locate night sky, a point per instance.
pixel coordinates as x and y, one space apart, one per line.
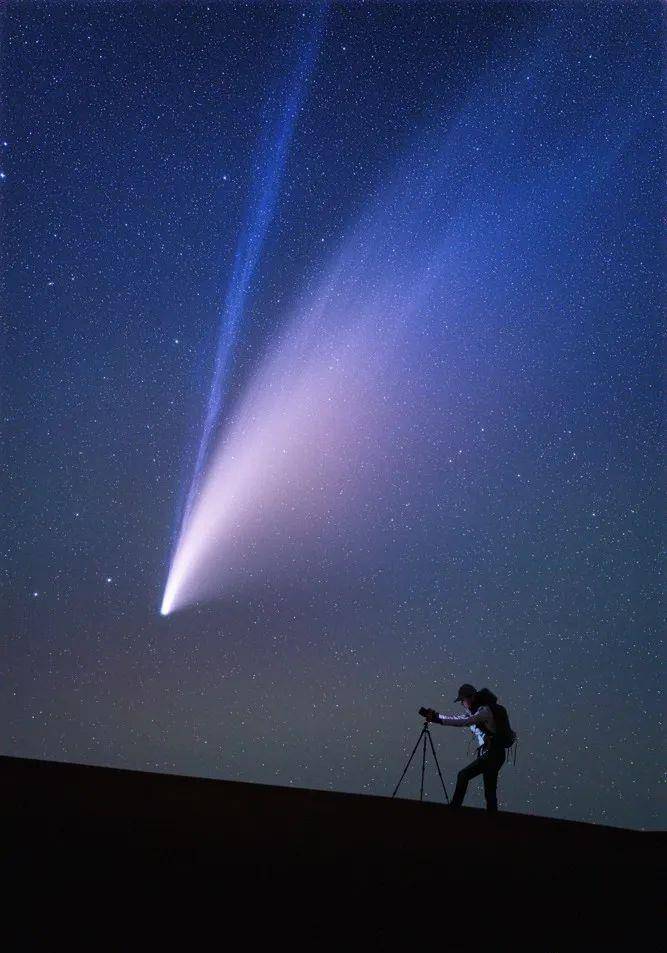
334 332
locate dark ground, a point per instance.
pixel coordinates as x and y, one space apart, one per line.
322 858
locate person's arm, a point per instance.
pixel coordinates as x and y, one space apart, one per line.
462 721
456 721
453 721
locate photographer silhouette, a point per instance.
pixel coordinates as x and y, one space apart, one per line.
489 723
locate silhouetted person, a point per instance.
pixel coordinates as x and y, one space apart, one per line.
489 723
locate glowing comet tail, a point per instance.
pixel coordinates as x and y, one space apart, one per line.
360 450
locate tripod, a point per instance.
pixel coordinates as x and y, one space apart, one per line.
425 734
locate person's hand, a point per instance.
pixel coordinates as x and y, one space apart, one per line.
429 714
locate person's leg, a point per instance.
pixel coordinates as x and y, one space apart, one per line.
472 770
493 764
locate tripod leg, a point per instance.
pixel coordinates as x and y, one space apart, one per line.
408 764
421 790
435 758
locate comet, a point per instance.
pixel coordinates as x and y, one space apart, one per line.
344 455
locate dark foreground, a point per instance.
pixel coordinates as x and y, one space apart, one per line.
344 850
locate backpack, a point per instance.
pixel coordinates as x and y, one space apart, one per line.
503 735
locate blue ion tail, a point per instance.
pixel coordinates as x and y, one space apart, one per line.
264 201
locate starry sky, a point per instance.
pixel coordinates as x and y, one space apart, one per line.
344 318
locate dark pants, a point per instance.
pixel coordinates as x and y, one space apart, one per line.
488 763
